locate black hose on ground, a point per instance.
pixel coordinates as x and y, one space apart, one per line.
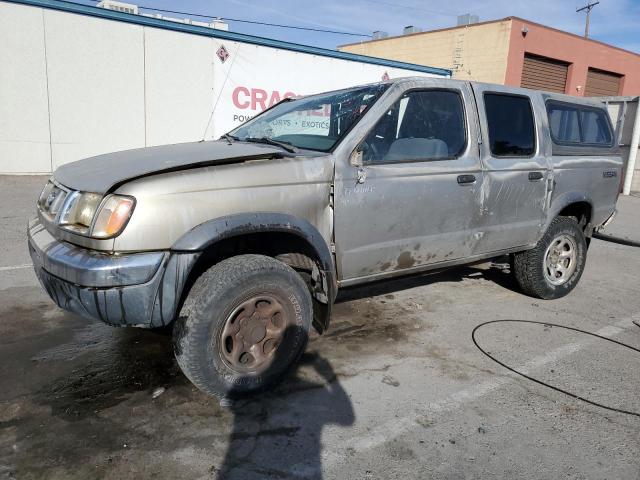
619 240
544 384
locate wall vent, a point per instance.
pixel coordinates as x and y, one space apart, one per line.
378 34
467 19
411 29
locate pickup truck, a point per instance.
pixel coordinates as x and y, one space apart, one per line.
240 245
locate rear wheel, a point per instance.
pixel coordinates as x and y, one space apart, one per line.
553 268
246 320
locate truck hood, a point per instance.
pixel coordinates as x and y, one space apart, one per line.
104 172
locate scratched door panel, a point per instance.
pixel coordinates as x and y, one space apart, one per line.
408 214
513 197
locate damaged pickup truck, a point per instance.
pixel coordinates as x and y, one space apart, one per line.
241 244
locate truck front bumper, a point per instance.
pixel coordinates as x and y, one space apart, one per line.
141 289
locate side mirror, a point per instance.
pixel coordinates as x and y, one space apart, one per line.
356 159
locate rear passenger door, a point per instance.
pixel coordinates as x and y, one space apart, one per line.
516 169
414 200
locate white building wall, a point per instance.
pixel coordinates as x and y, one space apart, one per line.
95 72
179 85
24 115
73 86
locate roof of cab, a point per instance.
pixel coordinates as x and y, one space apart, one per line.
563 97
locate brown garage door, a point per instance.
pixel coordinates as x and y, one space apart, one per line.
542 73
601 83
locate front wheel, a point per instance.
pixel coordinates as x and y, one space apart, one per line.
553 268
245 321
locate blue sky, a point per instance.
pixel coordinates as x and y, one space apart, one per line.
613 21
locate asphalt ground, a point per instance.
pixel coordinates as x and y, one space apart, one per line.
395 389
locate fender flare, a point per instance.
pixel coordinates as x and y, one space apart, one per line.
212 231
560 202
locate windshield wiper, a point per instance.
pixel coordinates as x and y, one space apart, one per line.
288 146
229 138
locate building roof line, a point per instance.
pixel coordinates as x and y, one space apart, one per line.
487 22
455 27
103 13
580 37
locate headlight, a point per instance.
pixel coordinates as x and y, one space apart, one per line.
46 191
78 211
52 199
86 213
112 216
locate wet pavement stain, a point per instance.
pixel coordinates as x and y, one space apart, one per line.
76 396
78 403
132 361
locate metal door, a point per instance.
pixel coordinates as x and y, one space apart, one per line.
514 191
399 216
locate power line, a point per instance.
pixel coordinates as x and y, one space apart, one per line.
408 7
253 22
588 7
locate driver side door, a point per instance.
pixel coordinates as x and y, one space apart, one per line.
414 201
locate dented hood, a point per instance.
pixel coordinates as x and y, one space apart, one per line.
101 173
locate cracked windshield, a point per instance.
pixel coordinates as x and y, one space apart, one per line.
317 122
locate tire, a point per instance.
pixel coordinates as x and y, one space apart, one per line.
218 339
546 281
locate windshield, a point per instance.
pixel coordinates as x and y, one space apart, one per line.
316 122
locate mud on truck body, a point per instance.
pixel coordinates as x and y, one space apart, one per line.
240 244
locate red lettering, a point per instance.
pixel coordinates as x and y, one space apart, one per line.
236 97
275 98
255 98
258 97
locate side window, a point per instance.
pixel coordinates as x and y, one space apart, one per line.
595 127
511 127
578 124
422 125
564 123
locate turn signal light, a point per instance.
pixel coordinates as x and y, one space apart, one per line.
113 216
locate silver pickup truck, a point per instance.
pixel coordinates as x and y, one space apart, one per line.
240 245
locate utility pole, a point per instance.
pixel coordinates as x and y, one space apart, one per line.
587 8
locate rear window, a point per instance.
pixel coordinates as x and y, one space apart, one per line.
511 128
578 125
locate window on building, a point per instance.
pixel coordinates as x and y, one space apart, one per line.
578 124
422 125
511 125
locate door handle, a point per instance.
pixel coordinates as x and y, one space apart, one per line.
535 176
466 179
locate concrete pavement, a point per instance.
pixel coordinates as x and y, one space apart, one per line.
395 389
